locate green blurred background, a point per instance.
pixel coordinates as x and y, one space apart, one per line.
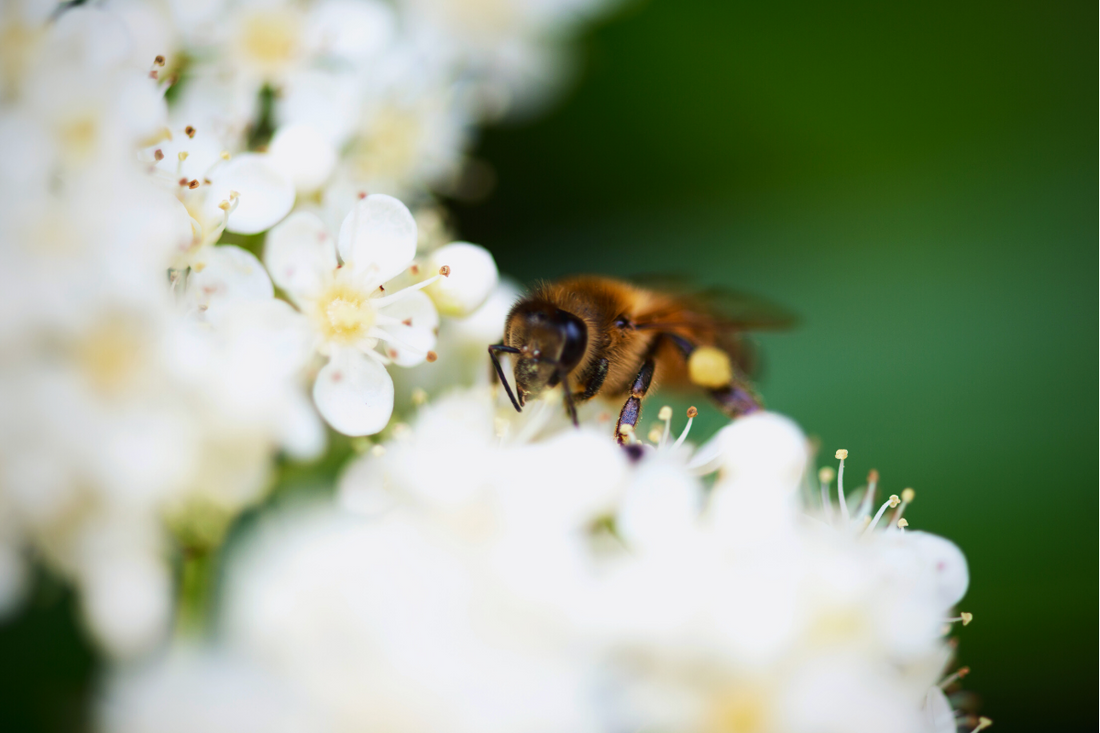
918 184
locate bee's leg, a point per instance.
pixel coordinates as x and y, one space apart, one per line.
570 406
500 372
734 399
595 380
632 410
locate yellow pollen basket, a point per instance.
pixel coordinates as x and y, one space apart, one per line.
710 367
345 315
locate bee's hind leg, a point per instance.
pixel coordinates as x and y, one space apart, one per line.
632 410
735 400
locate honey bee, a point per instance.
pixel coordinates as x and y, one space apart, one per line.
600 336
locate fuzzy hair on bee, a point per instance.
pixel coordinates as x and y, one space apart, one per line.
601 336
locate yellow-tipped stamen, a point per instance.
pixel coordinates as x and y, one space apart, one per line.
902 524
627 431
958 675
844 516
383 301
655 435
983 723
907 496
691 413
965 617
180 157
665 415
419 396
891 502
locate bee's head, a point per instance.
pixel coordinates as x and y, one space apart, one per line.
551 342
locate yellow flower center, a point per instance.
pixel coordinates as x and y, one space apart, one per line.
344 314
390 146
270 39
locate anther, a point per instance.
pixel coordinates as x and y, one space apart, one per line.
432 356
419 396
691 413
655 435
362 195
842 454
983 723
407 322
445 271
903 523
872 476
182 155
954 676
965 617
378 450
153 74
189 131
844 515
826 475
665 413
907 495
158 154
193 183
224 155
891 502
158 61
224 206
414 269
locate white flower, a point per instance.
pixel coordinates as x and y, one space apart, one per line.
474 276
349 308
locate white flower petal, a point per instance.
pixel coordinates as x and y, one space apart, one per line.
300 254
266 193
415 335
378 236
354 29
764 445
473 275
661 506
949 572
938 717
225 275
304 154
354 393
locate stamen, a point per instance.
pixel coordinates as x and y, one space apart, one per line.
983 723
193 184
431 356
180 157
655 435
665 415
158 155
158 61
825 477
445 271
844 516
949 679
627 431
419 396
902 524
963 616
907 496
893 501
691 413
189 131
385 300
869 495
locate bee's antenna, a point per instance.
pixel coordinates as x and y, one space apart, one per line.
500 372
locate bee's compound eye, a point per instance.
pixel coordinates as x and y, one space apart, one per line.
574 339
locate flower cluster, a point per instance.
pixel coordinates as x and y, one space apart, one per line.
485 571
218 238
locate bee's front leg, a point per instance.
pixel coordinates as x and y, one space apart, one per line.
632 410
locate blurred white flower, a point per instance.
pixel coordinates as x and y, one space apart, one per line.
349 308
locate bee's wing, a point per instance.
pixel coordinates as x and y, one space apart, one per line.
722 308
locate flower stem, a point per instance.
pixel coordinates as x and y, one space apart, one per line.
195 590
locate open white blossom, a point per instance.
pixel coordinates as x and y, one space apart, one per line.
349 308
